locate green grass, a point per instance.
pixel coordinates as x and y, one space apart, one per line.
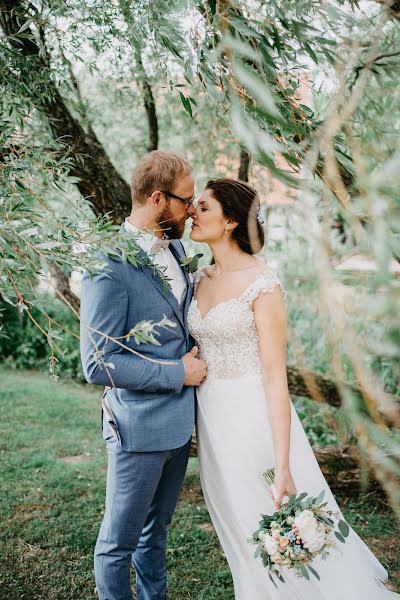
53 468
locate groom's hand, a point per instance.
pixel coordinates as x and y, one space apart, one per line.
195 368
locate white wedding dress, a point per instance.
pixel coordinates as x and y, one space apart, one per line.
235 448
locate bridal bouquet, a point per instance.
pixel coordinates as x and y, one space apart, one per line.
297 533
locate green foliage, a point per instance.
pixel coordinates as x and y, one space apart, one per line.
23 345
318 422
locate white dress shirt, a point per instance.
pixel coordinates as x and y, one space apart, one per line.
162 256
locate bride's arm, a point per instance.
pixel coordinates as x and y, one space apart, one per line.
271 323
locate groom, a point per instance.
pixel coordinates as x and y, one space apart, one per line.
148 408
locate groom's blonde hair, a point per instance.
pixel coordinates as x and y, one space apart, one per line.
157 170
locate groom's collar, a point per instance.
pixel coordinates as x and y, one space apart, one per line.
149 242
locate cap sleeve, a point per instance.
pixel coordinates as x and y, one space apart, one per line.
265 282
197 275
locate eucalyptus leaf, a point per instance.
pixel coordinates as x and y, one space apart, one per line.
343 528
304 572
340 537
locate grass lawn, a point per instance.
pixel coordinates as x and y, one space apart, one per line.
53 468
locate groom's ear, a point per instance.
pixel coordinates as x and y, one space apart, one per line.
156 197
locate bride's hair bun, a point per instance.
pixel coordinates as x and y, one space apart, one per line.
240 202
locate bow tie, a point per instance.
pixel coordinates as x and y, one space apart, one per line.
160 244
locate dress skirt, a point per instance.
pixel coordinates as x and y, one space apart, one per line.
235 447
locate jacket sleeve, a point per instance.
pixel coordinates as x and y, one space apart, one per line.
104 304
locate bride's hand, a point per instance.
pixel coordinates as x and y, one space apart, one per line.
284 486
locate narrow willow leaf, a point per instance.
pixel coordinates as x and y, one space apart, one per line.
186 104
6 298
255 86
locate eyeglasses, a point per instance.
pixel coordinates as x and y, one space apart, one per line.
187 201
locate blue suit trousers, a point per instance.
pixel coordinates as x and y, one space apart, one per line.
142 492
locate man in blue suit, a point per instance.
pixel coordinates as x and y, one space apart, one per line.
148 406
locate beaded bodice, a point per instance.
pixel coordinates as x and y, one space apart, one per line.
226 335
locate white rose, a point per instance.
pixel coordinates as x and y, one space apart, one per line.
316 541
305 518
269 543
306 524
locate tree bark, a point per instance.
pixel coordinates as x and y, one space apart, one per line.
150 106
151 113
302 382
98 179
143 80
244 164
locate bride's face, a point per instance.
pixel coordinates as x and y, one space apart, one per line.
208 220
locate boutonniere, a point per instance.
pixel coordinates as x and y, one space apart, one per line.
191 263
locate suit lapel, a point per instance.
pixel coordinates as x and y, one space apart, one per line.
161 286
176 250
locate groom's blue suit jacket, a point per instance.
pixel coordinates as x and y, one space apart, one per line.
152 408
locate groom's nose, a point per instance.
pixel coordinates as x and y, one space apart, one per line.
191 210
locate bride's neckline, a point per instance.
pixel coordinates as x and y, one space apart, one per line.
228 300
223 302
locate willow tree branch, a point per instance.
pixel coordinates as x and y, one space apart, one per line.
98 179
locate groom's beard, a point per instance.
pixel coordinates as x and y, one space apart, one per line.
170 225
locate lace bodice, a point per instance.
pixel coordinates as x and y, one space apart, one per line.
226 335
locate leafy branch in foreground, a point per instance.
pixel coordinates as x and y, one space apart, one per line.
36 238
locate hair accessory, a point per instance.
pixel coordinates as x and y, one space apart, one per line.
260 218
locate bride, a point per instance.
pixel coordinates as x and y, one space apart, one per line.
246 421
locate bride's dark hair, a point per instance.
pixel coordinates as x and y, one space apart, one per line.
240 202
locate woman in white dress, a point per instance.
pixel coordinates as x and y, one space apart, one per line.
246 421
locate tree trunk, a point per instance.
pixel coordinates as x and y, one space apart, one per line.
98 180
302 382
143 80
151 112
150 107
244 164
64 291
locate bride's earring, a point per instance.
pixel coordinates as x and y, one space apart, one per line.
226 230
